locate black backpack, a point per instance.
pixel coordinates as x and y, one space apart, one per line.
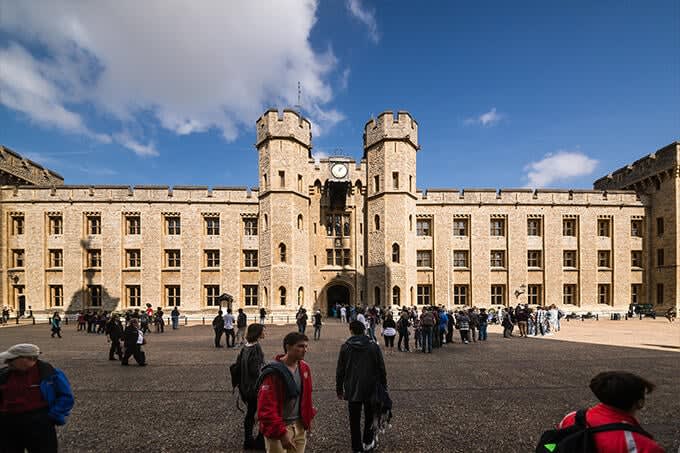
578 438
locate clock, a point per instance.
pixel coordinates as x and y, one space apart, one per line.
339 170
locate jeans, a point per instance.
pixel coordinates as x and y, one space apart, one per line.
29 430
389 341
317 332
427 339
249 422
464 335
229 333
355 424
371 333
403 337
115 349
482 332
218 336
175 322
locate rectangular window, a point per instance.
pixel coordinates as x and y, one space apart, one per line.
568 227
18 258
95 295
604 258
133 295
395 180
636 258
659 226
569 259
534 258
173 295
212 258
497 258
604 293
460 294
460 258
212 292
569 294
56 258
56 224
534 293
250 226
342 257
460 227
498 294
534 227
250 258
250 295
424 296
94 224
376 183
56 296
17 225
660 257
133 224
424 227
282 178
337 225
424 258
300 184
659 294
635 290
346 258
172 225
636 228
212 226
497 227
329 257
603 227
133 257
94 258
172 258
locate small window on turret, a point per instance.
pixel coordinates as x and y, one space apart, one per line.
410 183
376 183
264 181
377 222
299 183
282 178
395 180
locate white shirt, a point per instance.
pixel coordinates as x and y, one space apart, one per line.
343 311
228 321
362 318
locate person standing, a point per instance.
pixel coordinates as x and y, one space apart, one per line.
284 400
34 397
134 339
389 332
229 329
360 369
174 315
114 331
241 324
483 322
218 328
158 320
55 323
343 314
301 319
251 360
263 315
402 328
427 323
316 322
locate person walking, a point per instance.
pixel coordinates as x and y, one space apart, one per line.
114 332
174 316
316 322
360 369
55 323
218 328
241 324
158 320
284 400
229 329
34 398
251 360
301 320
463 324
134 339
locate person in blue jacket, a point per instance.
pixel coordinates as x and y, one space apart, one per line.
34 397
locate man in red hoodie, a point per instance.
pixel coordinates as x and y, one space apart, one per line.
622 395
284 399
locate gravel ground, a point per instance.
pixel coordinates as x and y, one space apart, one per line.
496 396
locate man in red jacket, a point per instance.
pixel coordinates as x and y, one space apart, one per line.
622 395
284 399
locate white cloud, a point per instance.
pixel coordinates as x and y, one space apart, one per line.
344 79
138 148
366 17
559 166
319 154
486 119
168 62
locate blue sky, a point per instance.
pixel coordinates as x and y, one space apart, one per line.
507 94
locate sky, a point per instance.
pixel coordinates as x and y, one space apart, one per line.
506 94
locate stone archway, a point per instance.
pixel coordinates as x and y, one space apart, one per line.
337 293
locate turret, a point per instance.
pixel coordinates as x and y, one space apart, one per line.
387 127
289 126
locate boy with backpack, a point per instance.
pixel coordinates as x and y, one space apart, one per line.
241 324
611 425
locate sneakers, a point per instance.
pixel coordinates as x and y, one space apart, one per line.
369 447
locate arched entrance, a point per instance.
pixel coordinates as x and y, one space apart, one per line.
336 294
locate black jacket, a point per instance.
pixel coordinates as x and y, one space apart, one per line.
131 335
360 368
250 360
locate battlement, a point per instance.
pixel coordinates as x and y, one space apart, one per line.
16 169
667 158
388 127
290 125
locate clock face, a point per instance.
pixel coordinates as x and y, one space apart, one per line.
339 170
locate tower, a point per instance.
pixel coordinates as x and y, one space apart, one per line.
390 147
284 144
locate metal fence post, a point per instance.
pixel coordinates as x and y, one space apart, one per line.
186 320
203 320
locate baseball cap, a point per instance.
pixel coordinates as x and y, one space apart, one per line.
20 350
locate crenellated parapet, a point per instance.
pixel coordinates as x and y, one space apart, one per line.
530 197
18 170
388 127
289 125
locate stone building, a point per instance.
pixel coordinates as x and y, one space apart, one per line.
339 231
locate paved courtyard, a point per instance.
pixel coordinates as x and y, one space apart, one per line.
496 396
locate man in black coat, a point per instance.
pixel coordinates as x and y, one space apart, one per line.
360 369
133 343
114 330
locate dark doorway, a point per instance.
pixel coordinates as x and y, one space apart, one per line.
336 294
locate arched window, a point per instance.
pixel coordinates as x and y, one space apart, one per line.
376 296
282 295
377 222
282 252
395 253
301 296
396 296
299 221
